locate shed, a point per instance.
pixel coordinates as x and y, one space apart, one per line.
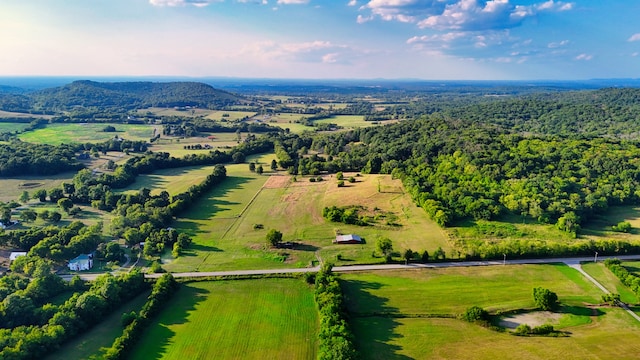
348 239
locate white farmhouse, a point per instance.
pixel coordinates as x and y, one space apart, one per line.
81 262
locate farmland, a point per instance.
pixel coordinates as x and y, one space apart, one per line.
268 319
411 295
87 132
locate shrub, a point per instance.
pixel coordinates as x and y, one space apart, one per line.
544 298
475 313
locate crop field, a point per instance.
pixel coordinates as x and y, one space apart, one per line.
417 301
225 225
206 113
79 133
246 319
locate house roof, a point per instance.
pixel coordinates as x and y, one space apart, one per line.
81 257
16 254
348 238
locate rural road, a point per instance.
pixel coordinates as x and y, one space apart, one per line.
377 267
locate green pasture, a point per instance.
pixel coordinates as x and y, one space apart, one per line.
206 113
223 223
231 116
607 279
347 121
13 187
246 319
600 225
174 181
87 132
6 127
612 335
392 314
89 343
451 291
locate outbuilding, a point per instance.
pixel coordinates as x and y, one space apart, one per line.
348 239
81 263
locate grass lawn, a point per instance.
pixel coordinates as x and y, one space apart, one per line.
605 277
246 319
411 294
87 132
102 335
223 223
6 127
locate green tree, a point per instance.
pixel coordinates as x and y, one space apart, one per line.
252 166
407 255
545 299
385 247
28 215
274 237
24 198
274 165
40 194
65 204
259 170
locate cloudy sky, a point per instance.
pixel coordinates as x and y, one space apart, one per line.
420 39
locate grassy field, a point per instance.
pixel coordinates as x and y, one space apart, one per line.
176 146
13 187
80 133
102 335
595 333
6 127
174 181
223 223
206 113
605 277
247 319
10 114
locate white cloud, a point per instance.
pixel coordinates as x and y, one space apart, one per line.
470 15
634 37
555 45
353 3
303 52
585 57
292 2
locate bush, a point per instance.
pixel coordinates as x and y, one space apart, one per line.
522 330
341 183
544 298
475 313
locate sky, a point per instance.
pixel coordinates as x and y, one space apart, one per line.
322 39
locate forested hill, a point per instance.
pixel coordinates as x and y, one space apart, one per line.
125 95
606 112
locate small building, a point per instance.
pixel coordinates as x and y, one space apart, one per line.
81 262
348 239
16 254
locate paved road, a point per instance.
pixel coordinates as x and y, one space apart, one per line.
379 267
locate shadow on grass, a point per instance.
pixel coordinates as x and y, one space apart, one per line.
372 320
580 310
156 340
213 201
194 249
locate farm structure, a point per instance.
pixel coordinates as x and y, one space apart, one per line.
348 239
81 262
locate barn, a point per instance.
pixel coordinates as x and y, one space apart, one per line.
348 239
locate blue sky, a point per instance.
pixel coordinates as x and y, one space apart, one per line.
420 39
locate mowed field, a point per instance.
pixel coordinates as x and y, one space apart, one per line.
176 146
411 297
13 187
244 319
174 181
225 235
79 133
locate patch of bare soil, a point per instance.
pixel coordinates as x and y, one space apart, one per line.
532 319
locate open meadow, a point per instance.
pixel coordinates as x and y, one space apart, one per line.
411 314
174 181
242 319
176 146
13 187
56 134
229 225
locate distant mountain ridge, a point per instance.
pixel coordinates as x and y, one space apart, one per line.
129 95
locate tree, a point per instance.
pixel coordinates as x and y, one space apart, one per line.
439 254
339 175
55 216
385 247
40 194
28 215
259 170
65 204
408 255
5 216
252 166
238 157
544 298
274 165
274 237
24 198
424 257
55 194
